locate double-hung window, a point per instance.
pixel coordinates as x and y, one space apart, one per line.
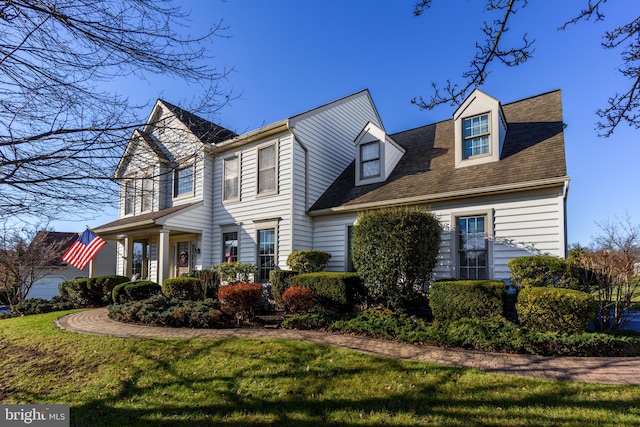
472 247
129 196
230 246
267 169
231 179
475 132
183 181
370 160
266 253
147 193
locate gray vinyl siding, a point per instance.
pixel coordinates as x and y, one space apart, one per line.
253 210
328 136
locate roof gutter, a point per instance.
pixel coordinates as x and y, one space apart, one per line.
452 195
249 137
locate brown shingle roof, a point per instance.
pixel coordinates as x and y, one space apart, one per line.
533 150
207 132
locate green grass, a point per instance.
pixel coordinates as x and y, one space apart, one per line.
228 382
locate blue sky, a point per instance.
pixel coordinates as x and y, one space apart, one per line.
290 56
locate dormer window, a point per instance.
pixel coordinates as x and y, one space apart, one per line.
480 130
476 136
370 160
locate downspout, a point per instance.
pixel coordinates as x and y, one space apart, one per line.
290 127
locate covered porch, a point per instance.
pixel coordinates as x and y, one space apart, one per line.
151 247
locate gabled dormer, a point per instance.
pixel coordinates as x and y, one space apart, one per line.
480 130
376 155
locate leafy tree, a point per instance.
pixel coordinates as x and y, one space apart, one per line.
61 132
622 107
395 252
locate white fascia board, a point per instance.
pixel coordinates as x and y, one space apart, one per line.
432 198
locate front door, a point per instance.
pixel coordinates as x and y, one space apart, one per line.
182 258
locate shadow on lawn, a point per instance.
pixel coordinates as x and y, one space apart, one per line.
319 385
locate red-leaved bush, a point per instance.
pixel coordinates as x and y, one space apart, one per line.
240 298
298 298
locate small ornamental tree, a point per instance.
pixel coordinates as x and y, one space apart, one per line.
395 252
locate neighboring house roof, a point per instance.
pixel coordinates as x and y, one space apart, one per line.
207 132
533 152
60 240
141 221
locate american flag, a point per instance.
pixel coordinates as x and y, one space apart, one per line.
83 249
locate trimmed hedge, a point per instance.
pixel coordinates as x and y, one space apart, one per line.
208 281
308 261
183 288
39 306
280 282
333 291
542 271
135 291
90 291
555 309
459 299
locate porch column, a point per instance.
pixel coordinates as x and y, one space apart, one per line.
93 267
164 257
128 250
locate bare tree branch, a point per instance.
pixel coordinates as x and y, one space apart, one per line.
486 53
61 137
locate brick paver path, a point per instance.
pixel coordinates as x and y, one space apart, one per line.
603 370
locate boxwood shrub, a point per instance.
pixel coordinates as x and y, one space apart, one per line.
333 291
135 291
90 291
280 282
454 300
542 271
555 309
184 288
308 261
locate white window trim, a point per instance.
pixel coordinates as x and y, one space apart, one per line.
147 174
361 162
489 235
174 186
129 181
261 226
226 230
489 134
277 156
238 158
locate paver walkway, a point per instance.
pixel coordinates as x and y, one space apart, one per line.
603 370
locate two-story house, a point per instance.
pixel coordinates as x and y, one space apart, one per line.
194 194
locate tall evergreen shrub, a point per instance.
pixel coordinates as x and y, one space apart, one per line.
395 251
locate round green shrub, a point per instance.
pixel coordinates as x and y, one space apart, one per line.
308 261
555 309
135 291
182 288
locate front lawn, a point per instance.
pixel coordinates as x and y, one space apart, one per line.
230 382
